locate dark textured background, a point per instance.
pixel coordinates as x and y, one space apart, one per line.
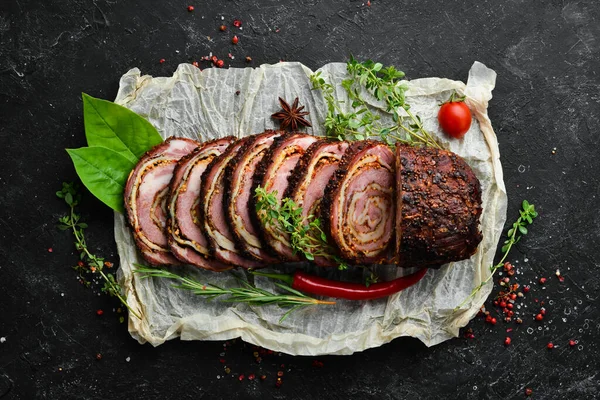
547 96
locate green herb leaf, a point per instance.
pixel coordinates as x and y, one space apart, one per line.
115 127
104 172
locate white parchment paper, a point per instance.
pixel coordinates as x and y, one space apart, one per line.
214 103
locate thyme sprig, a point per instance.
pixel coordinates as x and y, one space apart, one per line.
384 84
519 228
245 293
306 235
72 221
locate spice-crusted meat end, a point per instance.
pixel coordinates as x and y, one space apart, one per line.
272 174
239 175
440 199
146 194
358 208
187 241
309 179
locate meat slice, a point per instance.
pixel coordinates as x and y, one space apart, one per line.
439 202
186 239
272 174
239 175
146 194
211 210
310 177
358 207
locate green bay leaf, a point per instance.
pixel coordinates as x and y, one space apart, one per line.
116 128
104 172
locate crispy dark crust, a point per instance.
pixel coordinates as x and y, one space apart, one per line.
332 191
228 185
259 180
172 224
440 199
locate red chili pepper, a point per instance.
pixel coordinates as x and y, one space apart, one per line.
345 290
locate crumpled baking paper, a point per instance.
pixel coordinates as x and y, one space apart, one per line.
215 103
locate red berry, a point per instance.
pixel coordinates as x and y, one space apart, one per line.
99 312
503 304
162 61
235 40
543 311
214 59
493 321
510 306
528 392
526 289
241 377
513 296
237 23
542 280
539 317
195 64
220 63
572 343
550 345
222 28
190 8
507 341
50 250
251 377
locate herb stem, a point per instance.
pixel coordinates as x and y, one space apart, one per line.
518 229
72 222
246 293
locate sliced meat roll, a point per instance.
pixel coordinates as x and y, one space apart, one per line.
272 175
186 239
358 207
238 190
310 177
439 203
211 211
146 196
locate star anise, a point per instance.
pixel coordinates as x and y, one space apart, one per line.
291 116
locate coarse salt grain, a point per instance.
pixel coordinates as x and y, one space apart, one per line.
2 339
128 359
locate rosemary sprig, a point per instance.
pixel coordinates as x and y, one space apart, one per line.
306 235
385 84
518 229
69 193
246 293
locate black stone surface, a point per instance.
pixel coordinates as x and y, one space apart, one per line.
547 97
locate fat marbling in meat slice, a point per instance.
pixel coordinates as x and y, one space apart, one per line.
272 174
239 175
359 204
211 210
439 206
186 238
146 194
310 177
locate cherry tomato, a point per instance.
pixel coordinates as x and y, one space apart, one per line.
455 118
